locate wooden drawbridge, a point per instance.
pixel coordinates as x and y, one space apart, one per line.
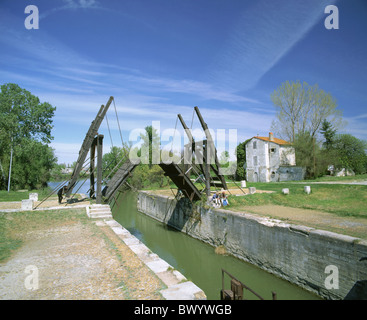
181 180
208 170
118 179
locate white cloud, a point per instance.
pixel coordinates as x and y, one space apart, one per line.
265 33
356 126
72 5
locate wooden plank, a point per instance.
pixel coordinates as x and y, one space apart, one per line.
99 168
122 173
181 180
87 143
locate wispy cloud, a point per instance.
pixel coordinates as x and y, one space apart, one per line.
263 35
356 126
72 5
201 89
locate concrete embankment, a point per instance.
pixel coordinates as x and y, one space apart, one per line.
331 265
178 287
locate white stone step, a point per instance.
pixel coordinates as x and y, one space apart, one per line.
99 211
105 216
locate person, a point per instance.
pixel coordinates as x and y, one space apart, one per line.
224 199
215 199
61 192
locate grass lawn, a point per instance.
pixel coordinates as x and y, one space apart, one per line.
359 177
339 199
342 200
14 225
6 196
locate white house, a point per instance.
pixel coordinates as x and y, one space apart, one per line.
271 159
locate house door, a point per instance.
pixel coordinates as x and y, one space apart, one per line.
256 177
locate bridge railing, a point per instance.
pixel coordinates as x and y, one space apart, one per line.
237 290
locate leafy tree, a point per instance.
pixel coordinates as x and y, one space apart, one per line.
24 122
150 143
32 164
224 158
23 116
113 159
328 132
57 173
301 108
241 160
310 155
350 153
146 174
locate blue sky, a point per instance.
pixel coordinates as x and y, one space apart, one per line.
159 58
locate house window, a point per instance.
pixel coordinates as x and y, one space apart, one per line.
255 160
272 150
254 145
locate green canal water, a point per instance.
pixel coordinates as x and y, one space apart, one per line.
197 260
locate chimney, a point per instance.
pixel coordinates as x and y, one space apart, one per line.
271 137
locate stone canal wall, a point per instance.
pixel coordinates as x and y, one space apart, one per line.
326 263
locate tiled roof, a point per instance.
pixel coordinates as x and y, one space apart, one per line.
275 140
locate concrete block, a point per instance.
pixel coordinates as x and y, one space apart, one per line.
158 265
33 196
243 184
285 191
307 189
130 241
27 204
252 190
184 291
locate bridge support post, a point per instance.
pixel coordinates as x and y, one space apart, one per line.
99 168
91 168
97 143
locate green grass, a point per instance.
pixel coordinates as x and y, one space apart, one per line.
342 200
6 196
359 177
14 225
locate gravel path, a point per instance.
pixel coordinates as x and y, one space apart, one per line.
356 227
75 260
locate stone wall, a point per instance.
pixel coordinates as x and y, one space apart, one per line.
325 263
290 173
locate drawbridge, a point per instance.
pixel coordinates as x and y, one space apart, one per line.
206 172
118 179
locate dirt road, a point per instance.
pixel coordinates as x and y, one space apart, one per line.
73 259
312 218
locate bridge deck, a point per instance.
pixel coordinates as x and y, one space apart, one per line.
181 180
118 179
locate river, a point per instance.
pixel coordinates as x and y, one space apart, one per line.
197 260
81 186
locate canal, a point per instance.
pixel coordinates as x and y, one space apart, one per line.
197 261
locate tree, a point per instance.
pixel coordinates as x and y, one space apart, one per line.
32 164
328 132
113 159
150 147
302 108
241 160
23 116
24 122
310 155
350 153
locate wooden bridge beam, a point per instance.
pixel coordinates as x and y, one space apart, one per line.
99 168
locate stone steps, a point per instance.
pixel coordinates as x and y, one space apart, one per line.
99 211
